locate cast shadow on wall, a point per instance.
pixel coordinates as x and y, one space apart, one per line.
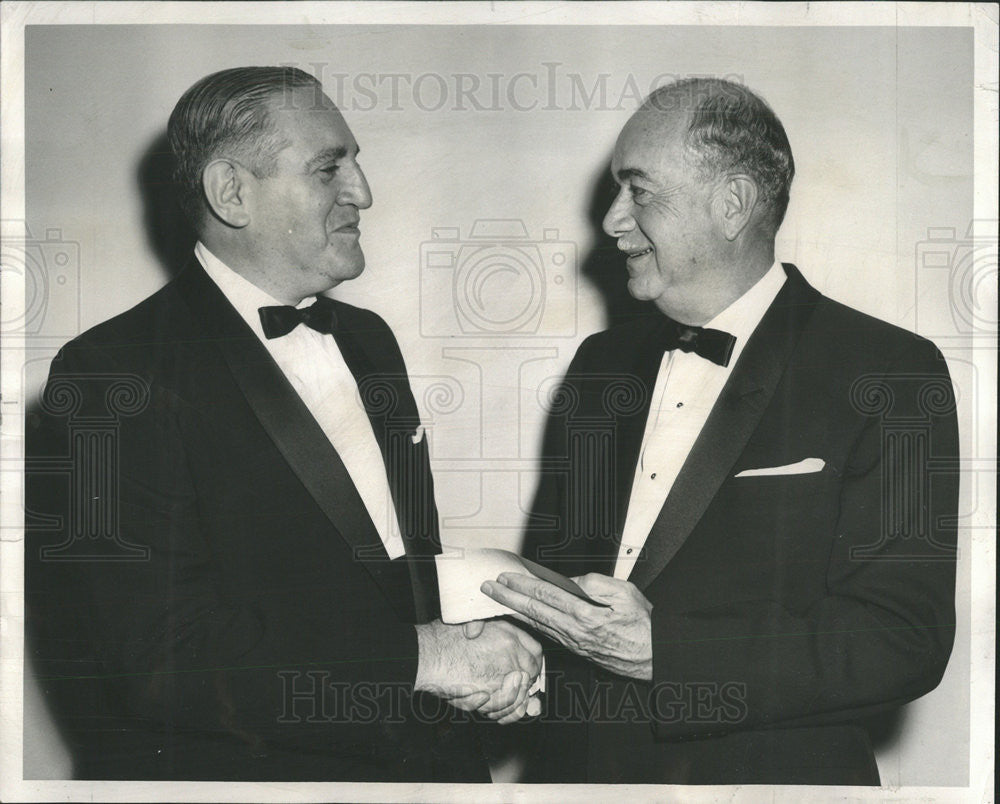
604 266
168 232
171 237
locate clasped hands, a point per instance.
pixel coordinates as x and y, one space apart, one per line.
490 666
487 667
617 638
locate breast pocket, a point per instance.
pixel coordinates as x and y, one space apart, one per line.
784 525
773 495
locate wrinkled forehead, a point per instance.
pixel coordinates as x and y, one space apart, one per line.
649 138
305 114
300 102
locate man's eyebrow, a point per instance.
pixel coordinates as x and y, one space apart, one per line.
631 173
327 155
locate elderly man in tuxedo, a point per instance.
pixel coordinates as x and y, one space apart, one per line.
750 479
239 584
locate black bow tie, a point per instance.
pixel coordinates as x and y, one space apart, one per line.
711 344
282 319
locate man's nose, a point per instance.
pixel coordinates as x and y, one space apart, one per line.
618 219
356 190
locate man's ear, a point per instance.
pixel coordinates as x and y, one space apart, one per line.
737 200
225 190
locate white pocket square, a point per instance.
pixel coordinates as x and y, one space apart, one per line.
803 467
418 435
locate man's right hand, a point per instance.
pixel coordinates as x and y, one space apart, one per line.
489 671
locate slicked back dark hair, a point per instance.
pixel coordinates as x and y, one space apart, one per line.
228 114
732 130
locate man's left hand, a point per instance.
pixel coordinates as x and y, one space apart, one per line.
618 638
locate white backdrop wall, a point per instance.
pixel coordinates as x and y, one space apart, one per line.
467 124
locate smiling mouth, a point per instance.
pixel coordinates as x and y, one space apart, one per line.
638 253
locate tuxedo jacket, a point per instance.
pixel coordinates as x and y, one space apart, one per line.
207 596
788 604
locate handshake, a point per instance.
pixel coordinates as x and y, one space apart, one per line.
488 667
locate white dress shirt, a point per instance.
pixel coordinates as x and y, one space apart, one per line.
315 367
687 388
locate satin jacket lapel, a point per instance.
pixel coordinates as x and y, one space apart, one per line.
630 430
385 394
392 412
603 436
294 431
729 426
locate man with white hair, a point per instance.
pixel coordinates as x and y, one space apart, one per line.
770 530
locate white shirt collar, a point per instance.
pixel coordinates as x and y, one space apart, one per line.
243 294
743 316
